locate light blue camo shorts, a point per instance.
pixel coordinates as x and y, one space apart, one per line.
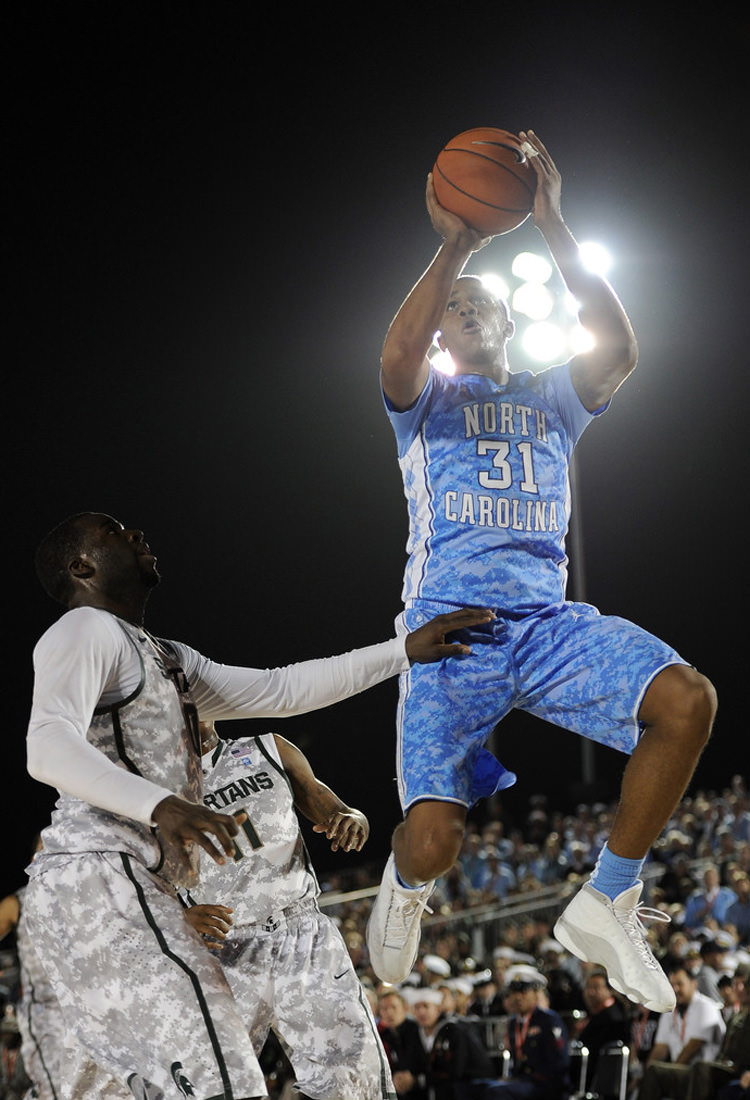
566 664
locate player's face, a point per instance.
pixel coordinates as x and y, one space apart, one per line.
475 327
121 555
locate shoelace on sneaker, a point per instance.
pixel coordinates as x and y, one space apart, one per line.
632 921
405 914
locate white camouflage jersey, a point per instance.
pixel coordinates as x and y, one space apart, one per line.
272 869
153 733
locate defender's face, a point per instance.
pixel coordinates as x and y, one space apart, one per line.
121 555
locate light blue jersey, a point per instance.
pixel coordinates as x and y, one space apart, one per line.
486 478
485 471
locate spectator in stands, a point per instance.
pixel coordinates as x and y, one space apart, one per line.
678 883
563 985
498 878
692 1031
711 901
712 953
470 858
606 1018
488 998
730 991
537 1041
399 1034
737 915
728 1077
552 865
453 1055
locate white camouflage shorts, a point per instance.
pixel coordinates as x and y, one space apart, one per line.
146 1001
293 974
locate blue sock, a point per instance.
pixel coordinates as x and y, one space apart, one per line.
406 885
613 874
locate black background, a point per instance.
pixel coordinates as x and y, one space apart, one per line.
215 210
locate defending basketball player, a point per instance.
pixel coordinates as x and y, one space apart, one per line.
114 727
285 960
484 456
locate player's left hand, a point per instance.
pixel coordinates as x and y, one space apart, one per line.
548 181
210 921
347 831
428 644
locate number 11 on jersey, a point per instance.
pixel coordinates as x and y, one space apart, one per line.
249 830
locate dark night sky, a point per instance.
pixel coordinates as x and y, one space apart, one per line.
215 211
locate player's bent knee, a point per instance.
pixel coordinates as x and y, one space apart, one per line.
434 834
683 700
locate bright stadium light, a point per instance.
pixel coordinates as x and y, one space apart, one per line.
442 361
595 257
580 340
544 342
531 268
534 300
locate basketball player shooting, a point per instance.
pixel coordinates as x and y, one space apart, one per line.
484 456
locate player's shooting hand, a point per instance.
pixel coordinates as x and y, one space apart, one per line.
428 644
548 181
449 226
210 921
181 821
347 831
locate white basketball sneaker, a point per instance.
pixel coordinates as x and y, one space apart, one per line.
610 933
393 930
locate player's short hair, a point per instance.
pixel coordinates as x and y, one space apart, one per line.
53 555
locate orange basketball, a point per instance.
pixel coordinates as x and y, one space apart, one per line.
484 176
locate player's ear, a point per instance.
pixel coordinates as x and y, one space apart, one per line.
509 329
439 341
81 568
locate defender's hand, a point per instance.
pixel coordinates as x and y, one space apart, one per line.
180 822
428 644
210 921
348 831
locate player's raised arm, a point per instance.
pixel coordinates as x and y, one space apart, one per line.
404 362
596 374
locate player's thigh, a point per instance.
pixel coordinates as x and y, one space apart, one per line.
249 962
323 1018
446 714
589 673
139 990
